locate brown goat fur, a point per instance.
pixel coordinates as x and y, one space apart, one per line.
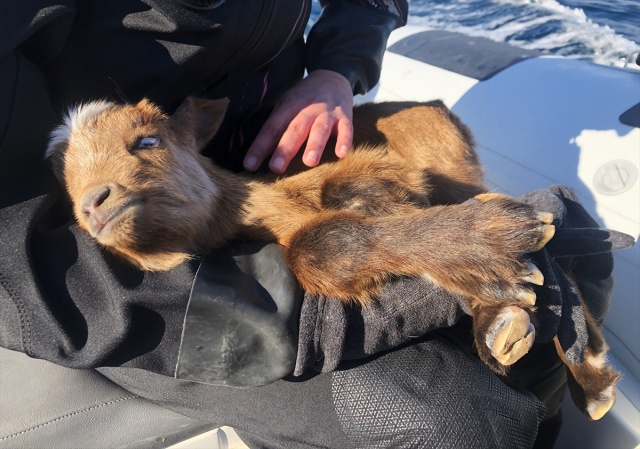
396 206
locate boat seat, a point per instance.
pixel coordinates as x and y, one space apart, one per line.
46 405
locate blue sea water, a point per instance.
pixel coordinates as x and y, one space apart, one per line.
605 31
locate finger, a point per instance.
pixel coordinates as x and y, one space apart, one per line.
291 141
267 138
344 140
318 137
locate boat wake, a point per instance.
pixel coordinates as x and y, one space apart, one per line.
543 25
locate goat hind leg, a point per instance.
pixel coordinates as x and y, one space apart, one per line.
591 383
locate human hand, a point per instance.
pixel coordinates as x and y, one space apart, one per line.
316 107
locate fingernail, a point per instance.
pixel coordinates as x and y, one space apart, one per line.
277 164
312 158
251 163
343 151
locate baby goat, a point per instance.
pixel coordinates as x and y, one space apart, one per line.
396 206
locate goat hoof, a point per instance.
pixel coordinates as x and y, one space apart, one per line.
533 275
510 335
599 407
547 231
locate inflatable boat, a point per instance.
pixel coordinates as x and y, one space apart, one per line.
538 121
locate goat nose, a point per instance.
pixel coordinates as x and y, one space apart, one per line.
94 199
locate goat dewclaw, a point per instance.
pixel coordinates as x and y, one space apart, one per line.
397 205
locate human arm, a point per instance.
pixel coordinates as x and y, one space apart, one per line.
344 57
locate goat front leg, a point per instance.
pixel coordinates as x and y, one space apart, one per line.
473 249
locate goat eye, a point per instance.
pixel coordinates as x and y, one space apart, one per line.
147 142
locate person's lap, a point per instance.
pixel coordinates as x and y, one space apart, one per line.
434 393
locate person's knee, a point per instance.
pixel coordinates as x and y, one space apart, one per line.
433 394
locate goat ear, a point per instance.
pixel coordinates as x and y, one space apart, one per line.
199 117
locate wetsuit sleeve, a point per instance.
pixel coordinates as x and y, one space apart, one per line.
350 38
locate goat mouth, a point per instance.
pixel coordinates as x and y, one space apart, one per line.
101 224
